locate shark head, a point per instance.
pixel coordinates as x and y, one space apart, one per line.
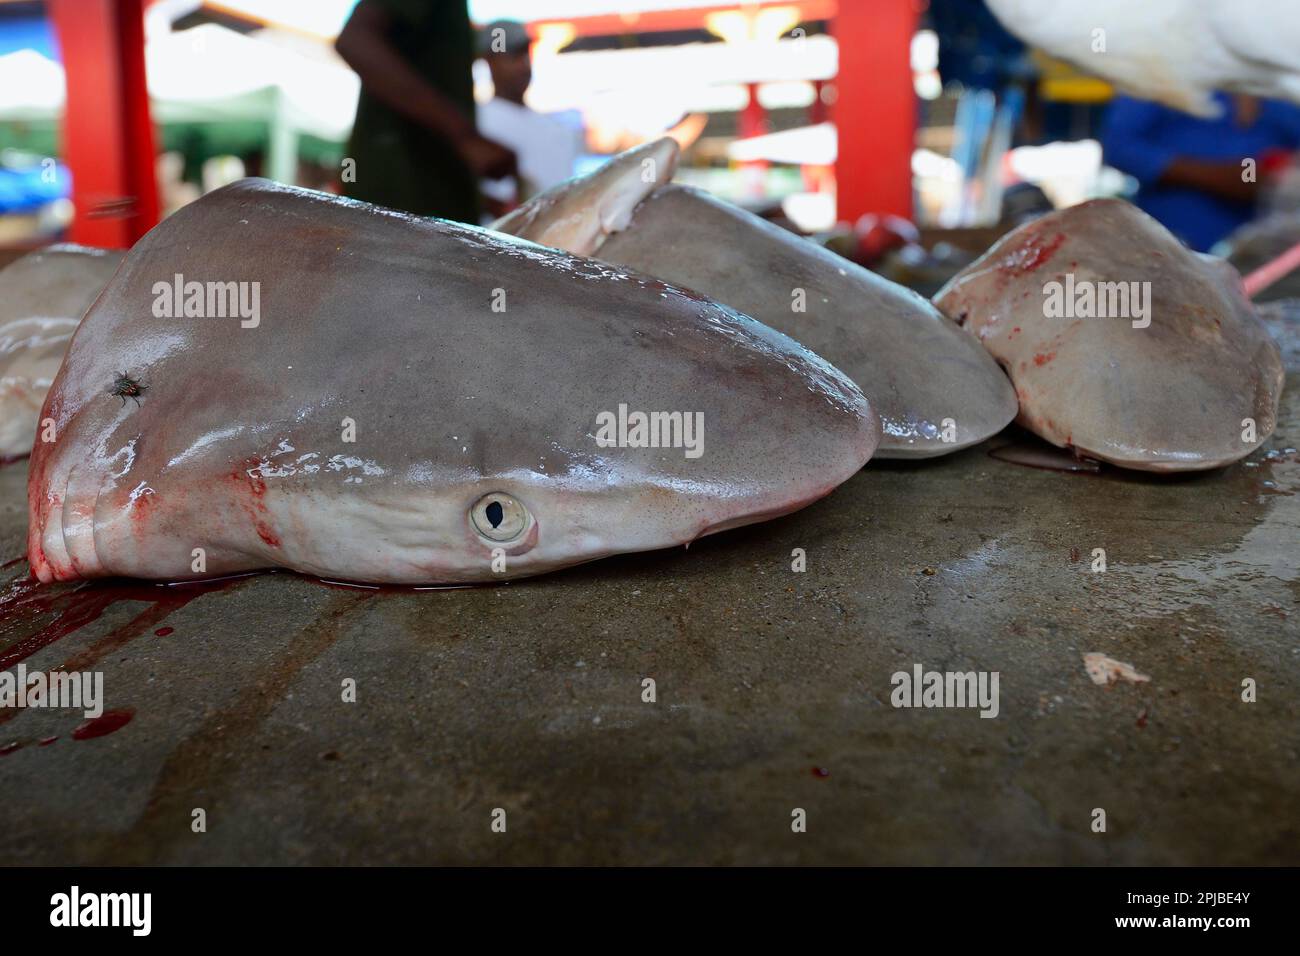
578 216
418 402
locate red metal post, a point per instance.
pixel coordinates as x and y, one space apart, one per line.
875 106
752 122
818 112
108 136
753 118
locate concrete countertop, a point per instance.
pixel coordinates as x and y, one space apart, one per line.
773 691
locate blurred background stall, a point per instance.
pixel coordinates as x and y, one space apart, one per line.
904 134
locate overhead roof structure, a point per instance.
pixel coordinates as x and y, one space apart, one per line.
874 113
275 94
324 18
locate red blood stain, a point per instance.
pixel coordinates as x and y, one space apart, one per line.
39 616
142 510
256 507
820 772
1032 255
47 741
26 603
39 495
256 484
164 631
7 749
1041 359
106 723
141 507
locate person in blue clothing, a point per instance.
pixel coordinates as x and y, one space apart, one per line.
1189 170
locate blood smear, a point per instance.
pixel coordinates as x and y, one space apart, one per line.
106 723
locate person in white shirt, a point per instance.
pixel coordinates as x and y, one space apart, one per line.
548 147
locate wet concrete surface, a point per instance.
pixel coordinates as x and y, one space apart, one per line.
773 691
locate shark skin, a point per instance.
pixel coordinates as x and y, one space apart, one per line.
411 401
1123 345
935 391
43 296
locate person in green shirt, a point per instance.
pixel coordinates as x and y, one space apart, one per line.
415 143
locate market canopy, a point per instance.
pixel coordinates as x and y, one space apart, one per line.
213 92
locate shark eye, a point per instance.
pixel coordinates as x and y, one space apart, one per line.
499 517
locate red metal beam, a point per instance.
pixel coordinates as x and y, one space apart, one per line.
875 107
108 136
692 18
